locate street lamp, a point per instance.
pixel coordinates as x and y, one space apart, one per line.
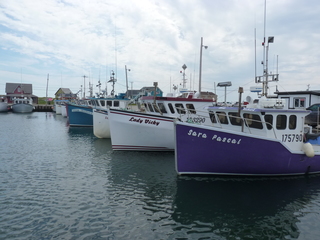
125 66
200 70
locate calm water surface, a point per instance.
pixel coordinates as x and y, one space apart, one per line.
58 182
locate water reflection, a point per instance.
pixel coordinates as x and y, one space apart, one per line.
242 208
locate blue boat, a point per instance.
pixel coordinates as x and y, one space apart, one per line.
79 115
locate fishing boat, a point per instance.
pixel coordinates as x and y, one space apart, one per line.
101 127
263 138
81 113
152 130
60 107
3 105
266 139
22 105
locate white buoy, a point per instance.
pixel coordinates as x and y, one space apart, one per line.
308 150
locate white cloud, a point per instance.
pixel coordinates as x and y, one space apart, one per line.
68 39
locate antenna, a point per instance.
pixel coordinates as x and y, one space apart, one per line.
266 77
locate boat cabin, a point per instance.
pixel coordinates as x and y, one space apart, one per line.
269 118
175 105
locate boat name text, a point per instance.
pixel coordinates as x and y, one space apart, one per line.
146 121
215 137
82 111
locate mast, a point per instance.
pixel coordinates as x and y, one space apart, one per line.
266 77
47 90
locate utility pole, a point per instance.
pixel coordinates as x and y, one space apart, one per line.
84 86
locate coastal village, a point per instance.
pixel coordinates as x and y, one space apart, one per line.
295 99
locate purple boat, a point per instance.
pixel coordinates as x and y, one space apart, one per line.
262 139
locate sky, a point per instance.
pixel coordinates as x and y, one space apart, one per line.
74 43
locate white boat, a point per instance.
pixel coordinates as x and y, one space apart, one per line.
22 105
152 130
3 105
101 127
63 108
57 106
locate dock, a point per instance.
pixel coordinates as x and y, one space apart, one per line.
39 108
42 108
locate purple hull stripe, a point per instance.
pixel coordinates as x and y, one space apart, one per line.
226 153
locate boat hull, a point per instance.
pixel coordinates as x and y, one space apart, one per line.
207 150
3 107
101 128
22 108
134 131
64 110
79 116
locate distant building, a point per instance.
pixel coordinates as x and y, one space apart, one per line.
64 93
18 90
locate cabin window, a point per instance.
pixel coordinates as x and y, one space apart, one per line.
109 103
89 103
299 102
269 120
116 103
281 122
97 103
162 108
292 122
150 107
171 108
180 108
253 120
234 119
212 117
155 107
191 108
102 103
223 117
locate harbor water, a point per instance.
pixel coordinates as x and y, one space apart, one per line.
58 182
